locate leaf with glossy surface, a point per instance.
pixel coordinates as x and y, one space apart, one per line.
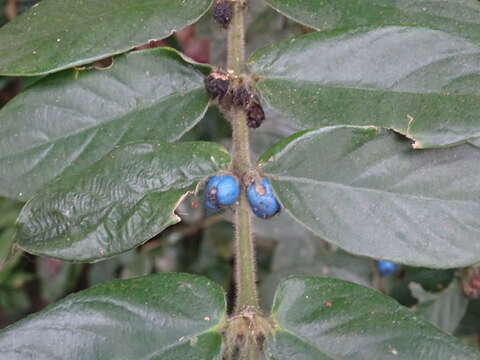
59 34
62 125
118 203
367 191
169 316
419 82
332 319
460 17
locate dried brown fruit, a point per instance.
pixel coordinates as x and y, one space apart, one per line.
217 84
241 96
223 13
255 115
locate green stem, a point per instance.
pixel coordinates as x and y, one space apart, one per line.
241 143
236 39
245 270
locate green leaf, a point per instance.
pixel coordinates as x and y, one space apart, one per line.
118 203
9 210
445 310
59 34
337 265
332 319
420 82
367 191
61 124
169 316
264 26
460 17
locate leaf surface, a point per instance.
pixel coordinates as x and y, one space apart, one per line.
460 17
59 34
168 316
118 203
63 124
367 191
420 82
331 319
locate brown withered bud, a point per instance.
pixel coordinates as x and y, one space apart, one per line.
223 12
255 115
241 96
217 84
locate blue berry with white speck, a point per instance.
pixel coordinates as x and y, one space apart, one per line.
262 200
386 268
222 190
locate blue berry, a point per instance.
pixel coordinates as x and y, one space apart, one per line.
386 268
222 190
262 200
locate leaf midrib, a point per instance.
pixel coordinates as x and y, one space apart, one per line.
327 184
307 342
388 90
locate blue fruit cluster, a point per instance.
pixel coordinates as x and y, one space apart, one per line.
222 190
262 200
386 268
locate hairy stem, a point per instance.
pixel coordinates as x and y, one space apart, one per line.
245 271
241 143
236 39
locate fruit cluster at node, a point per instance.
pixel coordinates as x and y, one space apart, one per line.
235 93
224 190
